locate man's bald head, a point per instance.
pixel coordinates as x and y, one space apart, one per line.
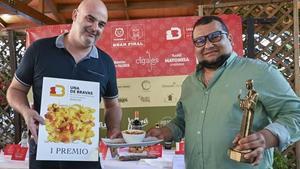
93 5
88 24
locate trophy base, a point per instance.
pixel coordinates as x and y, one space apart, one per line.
238 155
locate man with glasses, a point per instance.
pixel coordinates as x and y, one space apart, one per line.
208 113
70 56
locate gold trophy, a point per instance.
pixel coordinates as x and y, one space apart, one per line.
247 105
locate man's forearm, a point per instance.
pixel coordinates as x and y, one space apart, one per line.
18 100
113 118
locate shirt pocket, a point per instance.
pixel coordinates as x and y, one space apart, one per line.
92 75
96 73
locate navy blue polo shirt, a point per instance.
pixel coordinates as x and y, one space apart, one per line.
49 58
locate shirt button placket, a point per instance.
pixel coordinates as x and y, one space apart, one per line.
74 69
205 102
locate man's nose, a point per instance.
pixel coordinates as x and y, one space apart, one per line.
208 44
95 26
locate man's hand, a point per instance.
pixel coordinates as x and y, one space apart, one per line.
32 120
114 133
17 98
160 133
257 142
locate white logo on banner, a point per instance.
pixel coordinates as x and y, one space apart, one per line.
121 63
136 32
147 60
177 59
173 33
119 32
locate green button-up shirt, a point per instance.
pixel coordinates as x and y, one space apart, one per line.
210 117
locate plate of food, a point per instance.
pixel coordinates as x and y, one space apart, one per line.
131 138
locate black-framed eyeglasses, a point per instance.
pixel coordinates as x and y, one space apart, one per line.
212 37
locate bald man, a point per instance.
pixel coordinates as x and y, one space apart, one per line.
72 55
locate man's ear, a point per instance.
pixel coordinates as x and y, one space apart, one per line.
230 39
74 14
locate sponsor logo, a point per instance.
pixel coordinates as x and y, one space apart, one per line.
147 60
128 36
119 32
146 84
121 63
170 98
173 34
171 85
177 59
57 90
124 86
137 32
144 99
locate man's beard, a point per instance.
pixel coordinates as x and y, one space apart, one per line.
213 64
90 41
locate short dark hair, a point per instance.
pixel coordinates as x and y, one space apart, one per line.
208 19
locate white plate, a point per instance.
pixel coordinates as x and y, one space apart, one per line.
119 142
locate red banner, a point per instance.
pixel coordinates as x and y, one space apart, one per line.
149 47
